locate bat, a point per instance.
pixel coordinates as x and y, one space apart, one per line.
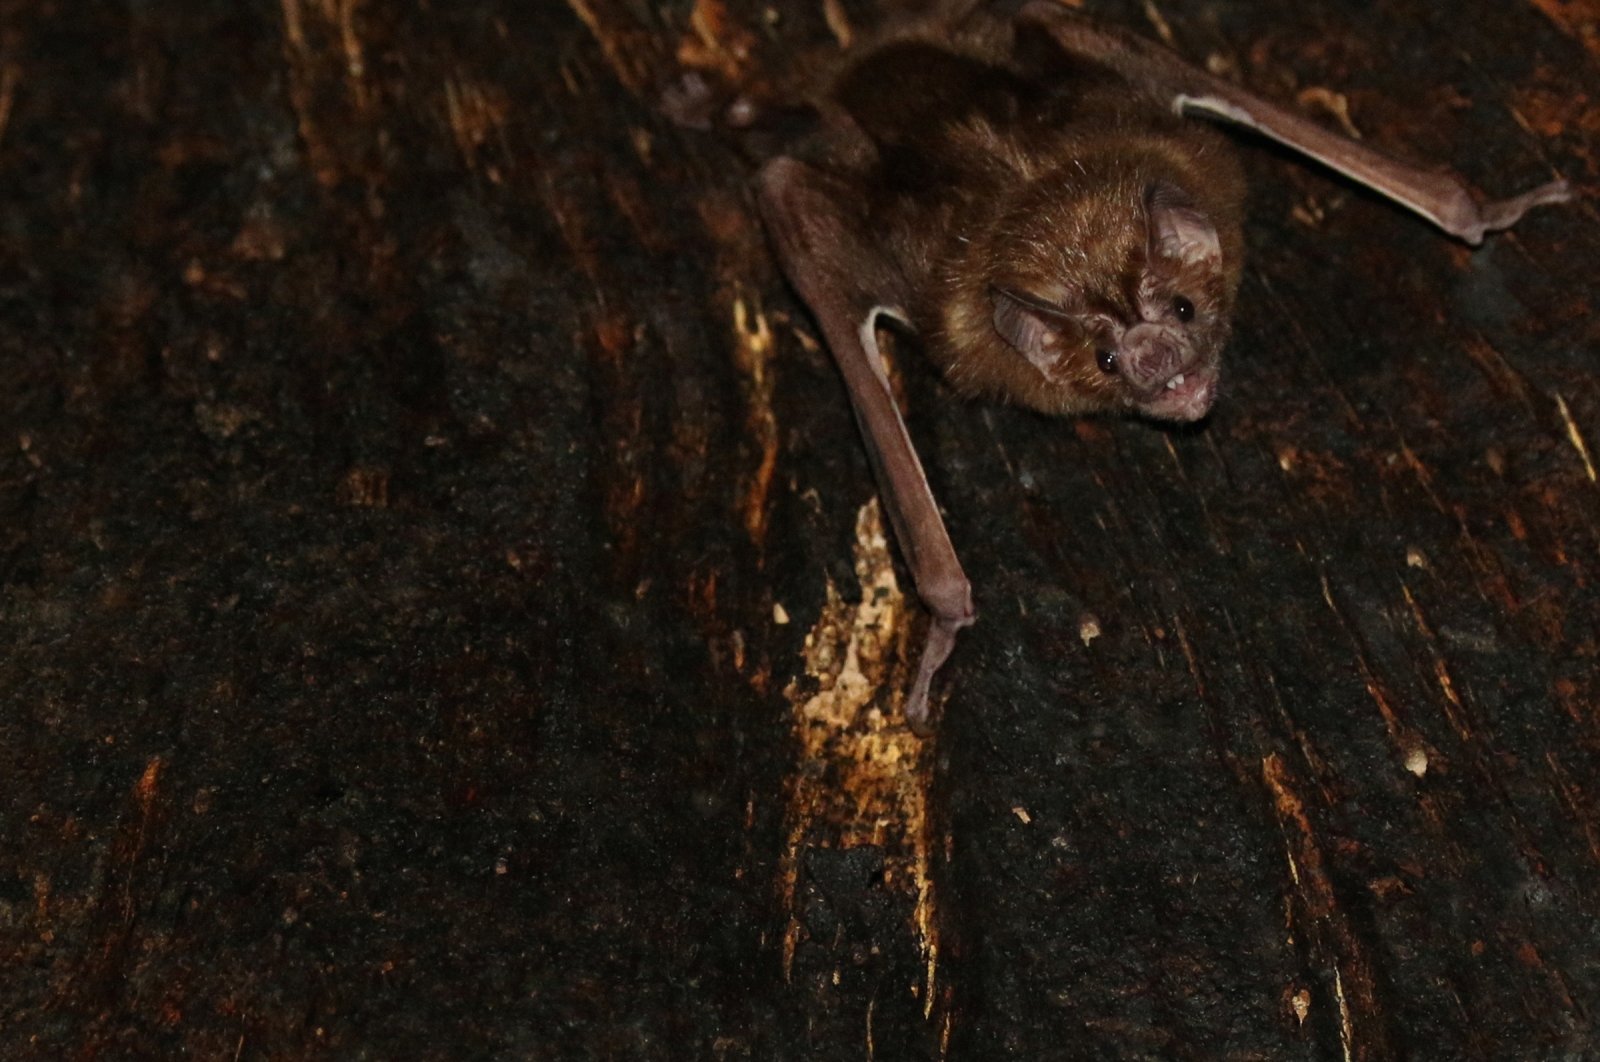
1029 195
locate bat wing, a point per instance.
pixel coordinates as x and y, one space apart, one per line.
1436 194
822 238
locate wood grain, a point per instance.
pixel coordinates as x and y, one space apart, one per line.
445 619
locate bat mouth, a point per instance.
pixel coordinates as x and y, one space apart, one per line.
1184 396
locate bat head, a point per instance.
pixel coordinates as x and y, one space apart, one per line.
1119 308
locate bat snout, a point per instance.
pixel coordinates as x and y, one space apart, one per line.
1169 378
1152 357
1184 396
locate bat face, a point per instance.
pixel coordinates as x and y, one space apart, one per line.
1127 309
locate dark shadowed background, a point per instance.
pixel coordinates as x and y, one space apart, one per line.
445 616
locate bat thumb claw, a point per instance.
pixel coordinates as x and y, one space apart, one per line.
916 706
1504 213
935 651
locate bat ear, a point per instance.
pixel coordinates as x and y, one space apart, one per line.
1031 325
1178 228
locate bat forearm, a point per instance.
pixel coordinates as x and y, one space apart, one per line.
1435 194
840 277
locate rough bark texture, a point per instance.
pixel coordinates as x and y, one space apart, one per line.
445 616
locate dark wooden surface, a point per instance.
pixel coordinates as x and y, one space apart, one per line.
444 614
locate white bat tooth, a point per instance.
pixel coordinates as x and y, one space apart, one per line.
1176 382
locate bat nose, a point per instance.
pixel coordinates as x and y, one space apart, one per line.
1151 357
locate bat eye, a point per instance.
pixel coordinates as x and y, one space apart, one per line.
1183 308
1107 360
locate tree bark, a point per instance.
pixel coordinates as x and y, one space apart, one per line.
448 616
